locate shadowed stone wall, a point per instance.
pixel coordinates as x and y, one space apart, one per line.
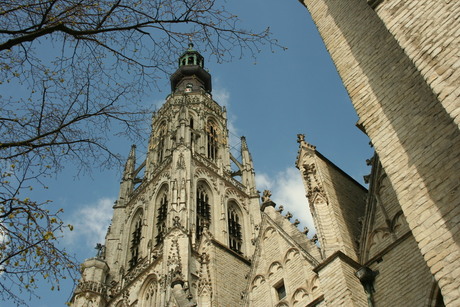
399 63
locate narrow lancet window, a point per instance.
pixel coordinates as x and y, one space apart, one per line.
203 211
212 141
161 219
235 235
135 241
192 135
161 144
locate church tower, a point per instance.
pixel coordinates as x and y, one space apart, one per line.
184 221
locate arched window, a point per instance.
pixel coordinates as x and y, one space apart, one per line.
212 133
136 236
150 296
203 211
161 143
162 213
192 133
235 235
149 293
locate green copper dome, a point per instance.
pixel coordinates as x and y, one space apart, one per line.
191 57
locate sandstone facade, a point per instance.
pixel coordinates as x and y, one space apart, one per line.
188 227
399 61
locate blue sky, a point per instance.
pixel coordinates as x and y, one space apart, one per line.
269 101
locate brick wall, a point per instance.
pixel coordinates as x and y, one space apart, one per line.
337 202
228 277
287 257
338 281
346 200
404 278
411 127
429 33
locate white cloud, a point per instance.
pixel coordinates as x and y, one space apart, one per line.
287 190
91 222
263 182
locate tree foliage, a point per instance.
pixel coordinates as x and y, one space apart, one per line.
72 74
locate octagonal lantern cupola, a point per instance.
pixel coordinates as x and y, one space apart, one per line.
191 57
190 76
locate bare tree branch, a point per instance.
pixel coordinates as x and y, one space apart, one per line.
73 75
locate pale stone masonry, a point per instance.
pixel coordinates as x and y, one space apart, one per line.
399 61
336 202
189 228
382 241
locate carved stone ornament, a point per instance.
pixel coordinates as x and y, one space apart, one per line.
300 138
314 187
181 162
305 230
176 222
204 274
314 239
266 196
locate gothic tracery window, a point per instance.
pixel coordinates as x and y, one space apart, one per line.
203 211
150 297
235 235
212 138
161 218
136 236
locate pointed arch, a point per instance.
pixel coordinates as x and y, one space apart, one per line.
376 237
162 205
268 232
235 229
161 142
149 292
212 139
398 222
301 294
314 284
257 281
135 237
290 254
274 267
204 199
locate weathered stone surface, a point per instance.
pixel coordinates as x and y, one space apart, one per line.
399 63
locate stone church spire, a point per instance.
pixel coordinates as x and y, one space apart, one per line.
181 209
